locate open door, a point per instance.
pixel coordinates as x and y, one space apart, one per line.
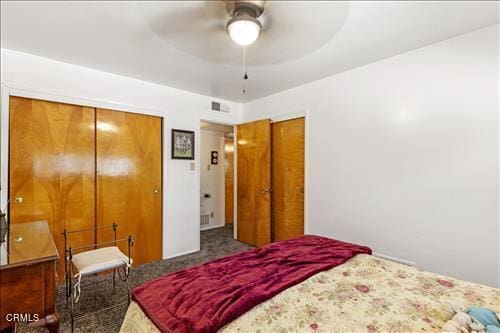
254 182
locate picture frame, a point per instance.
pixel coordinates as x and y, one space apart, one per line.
182 145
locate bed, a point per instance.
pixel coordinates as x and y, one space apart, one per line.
362 294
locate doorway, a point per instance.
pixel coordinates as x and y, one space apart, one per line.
216 179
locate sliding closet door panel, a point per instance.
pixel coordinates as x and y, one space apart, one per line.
229 180
77 181
129 181
52 167
254 182
288 178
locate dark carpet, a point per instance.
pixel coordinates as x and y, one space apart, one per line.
97 292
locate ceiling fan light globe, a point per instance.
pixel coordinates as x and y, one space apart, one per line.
244 31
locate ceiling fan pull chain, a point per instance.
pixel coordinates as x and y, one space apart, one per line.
245 76
245 62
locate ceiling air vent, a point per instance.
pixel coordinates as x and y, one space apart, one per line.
216 106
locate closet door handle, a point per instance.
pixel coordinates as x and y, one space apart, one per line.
265 190
156 191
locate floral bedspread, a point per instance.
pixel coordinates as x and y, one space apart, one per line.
365 294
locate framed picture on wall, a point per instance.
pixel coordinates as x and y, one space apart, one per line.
182 145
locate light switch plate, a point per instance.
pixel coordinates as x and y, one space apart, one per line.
192 166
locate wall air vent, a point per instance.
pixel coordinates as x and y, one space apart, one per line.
215 106
204 219
219 107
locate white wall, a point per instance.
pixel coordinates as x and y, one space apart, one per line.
212 177
33 76
403 155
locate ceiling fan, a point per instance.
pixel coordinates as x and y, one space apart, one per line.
261 32
243 27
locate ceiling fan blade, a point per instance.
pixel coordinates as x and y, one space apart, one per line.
167 18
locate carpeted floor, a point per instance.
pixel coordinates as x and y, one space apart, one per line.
97 292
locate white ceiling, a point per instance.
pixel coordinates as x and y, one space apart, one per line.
184 44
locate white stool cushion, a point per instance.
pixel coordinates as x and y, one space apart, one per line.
98 260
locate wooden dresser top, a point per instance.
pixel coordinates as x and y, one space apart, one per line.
28 243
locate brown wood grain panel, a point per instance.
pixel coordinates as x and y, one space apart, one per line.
254 181
129 181
51 167
288 178
229 179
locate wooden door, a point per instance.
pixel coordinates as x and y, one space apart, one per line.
254 182
288 178
129 181
229 180
52 168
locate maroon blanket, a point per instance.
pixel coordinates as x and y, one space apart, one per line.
206 297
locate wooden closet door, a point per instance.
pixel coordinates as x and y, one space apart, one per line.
129 181
288 178
254 182
229 180
52 168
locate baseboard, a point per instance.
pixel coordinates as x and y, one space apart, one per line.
181 254
398 260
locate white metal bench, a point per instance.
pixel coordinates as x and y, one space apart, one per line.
92 259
